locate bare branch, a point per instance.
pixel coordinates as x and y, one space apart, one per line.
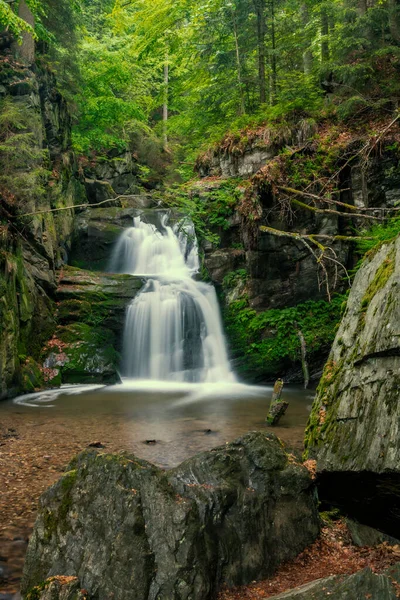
327 210
87 205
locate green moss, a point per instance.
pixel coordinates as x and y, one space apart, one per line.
89 354
383 274
36 592
322 421
31 376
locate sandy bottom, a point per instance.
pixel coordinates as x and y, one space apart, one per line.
40 435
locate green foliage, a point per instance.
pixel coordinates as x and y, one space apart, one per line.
378 235
267 343
24 175
10 20
234 278
208 208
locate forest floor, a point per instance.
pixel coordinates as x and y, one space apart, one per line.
34 452
332 554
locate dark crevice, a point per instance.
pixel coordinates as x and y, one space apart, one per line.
370 498
381 354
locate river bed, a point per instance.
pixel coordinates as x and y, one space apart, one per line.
164 423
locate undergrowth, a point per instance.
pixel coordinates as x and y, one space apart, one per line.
267 343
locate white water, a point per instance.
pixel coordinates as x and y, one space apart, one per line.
173 328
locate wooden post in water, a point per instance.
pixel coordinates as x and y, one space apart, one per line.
278 406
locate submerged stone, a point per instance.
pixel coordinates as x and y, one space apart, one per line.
129 530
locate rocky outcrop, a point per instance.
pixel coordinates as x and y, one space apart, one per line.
110 176
37 173
361 585
353 430
243 155
127 530
97 229
86 344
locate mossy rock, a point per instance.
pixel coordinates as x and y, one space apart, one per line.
31 376
82 354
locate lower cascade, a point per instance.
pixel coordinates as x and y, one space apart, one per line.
173 328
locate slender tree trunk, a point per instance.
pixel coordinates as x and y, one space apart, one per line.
362 7
242 108
259 6
273 78
394 25
165 104
304 362
26 51
308 57
324 36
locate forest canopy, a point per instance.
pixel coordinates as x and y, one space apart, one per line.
183 72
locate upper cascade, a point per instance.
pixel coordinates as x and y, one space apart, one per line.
162 251
173 328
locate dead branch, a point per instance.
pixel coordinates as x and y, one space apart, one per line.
323 255
328 210
295 192
313 236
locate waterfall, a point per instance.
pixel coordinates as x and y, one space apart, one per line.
173 327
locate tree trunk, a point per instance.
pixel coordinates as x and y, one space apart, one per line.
165 105
26 51
259 6
242 108
308 57
324 36
273 57
304 362
362 7
394 10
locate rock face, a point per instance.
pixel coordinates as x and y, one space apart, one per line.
128 530
96 231
361 585
37 173
353 430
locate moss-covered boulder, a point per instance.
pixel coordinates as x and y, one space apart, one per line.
353 431
129 530
86 345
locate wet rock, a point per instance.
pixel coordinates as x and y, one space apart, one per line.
361 585
353 431
128 529
86 345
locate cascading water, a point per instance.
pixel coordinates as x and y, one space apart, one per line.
173 327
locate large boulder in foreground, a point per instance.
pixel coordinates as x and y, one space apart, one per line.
361 586
130 531
353 431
